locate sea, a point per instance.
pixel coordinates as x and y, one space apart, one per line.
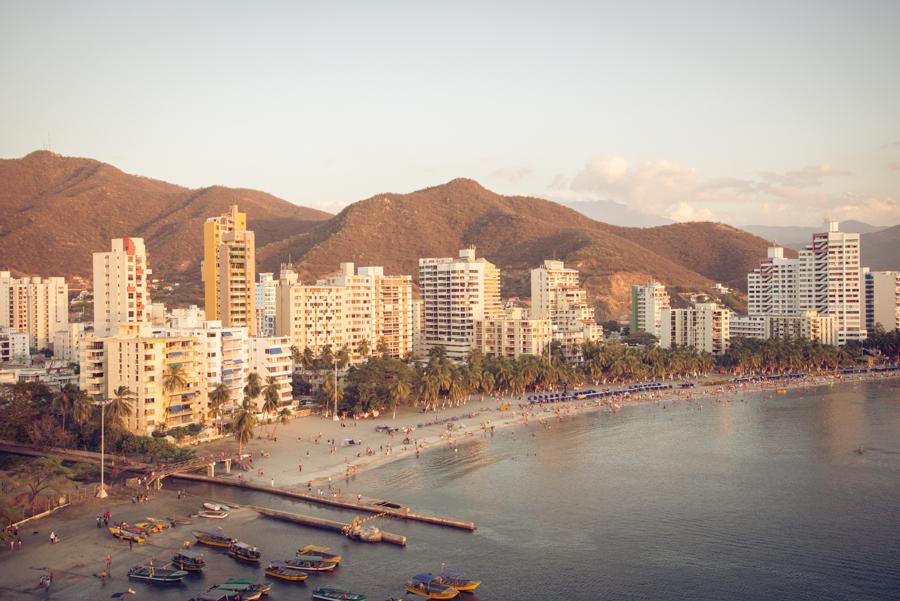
755 496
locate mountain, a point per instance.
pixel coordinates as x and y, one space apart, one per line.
58 210
518 233
798 236
880 251
615 213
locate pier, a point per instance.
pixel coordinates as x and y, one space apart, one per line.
323 524
383 508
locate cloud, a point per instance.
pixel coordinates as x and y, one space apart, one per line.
513 174
682 193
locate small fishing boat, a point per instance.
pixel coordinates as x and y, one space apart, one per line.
310 563
427 585
156 575
336 593
216 515
148 527
458 581
213 539
244 552
247 588
190 561
161 524
216 507
278 570
217 595
323 552
127 536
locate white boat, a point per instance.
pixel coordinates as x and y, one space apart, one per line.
216 507
216 515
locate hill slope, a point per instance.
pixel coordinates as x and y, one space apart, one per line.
518 233
58 210
880 250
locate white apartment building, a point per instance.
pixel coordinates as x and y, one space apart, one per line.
266 299
882 299
224 352
513 335
830 281
556 295
705 327
805 324
647 304
14 346
36 306
271 357
310 316
774 287
418 328
134 358
120 286
456 293
66 343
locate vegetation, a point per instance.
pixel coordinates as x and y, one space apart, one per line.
243 424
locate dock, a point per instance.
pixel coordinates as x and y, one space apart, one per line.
323 524
383 508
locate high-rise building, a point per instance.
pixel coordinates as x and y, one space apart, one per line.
882 294
456 292
38 307
647 303
513 335
556 294
774 287
829 281
705 327
120 286
266 295
310 316
271 358
229 270
67 343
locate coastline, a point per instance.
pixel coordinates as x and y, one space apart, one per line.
323 468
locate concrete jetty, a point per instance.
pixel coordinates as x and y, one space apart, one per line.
402 513
323 524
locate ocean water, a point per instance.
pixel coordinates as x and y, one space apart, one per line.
766 496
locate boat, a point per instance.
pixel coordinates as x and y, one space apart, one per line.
161 524
310 563
458 581
244 552
428 585
336 593
213 539
150 527
323 552
216 507
216 515
248 589
157 575
190 561
278 570
217 595
126 535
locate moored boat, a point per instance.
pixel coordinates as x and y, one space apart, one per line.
127 535
336 593
310 563
216 507
323 552
190 561
458 581
213 539
157 575
216 515
278 570
247 588
244 552
428 585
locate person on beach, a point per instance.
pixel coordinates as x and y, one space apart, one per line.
108 562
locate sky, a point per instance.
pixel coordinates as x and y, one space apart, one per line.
741 112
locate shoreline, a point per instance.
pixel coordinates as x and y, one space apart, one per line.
430 431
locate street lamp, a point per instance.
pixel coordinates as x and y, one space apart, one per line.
101 493
335 416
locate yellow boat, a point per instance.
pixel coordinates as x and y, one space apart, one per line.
323 552
428 585
458 581
126 535
283 572
213 539
505 407
150 527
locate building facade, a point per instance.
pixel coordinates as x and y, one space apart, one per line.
67 343
513 335
882 294
14 346
229 270
647 303
37 306
705 327
456 293
310 316
266 294
556 294
120 286
270 357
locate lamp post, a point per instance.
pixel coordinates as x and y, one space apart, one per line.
101 493
335 416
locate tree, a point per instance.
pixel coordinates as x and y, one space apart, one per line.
41 474
342 359
244 423
218 396
399 391
64 400
283 417
362 347
254 386
118 408
381 348
82 407
271 397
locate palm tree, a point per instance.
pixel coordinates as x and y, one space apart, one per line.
253 387
487 383
64 400
244 423
218 396
342 358
283 417
271 397
363 348
398 391
81 408
118 408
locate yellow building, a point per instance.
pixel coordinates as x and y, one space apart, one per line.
513 335
229 270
